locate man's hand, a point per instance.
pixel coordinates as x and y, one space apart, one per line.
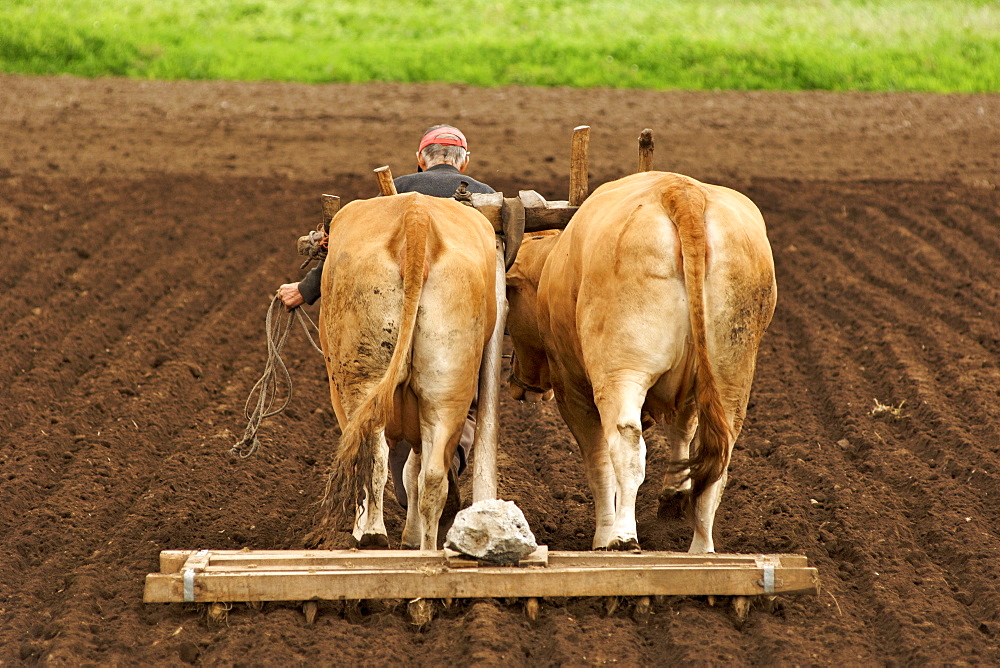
290 296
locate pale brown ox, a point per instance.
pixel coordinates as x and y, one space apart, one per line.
652 303
408 303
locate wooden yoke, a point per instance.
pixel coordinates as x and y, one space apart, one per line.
537 214
646 150
578 165
385 185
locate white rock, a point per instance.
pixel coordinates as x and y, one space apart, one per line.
492 530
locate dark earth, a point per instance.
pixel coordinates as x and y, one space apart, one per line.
144 227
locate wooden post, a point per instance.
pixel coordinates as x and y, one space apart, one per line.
484 470
578 187
331 205
385 184
646 150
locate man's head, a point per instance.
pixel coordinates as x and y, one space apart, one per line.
443 144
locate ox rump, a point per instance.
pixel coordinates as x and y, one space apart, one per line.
408 304
649 307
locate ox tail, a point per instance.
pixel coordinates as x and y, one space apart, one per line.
350 479
685 204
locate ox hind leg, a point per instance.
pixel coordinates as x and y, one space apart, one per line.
369 523
705 507
411 475
707 503
676 485
432 480
585 424
620 405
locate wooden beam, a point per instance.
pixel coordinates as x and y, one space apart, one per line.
578 165
487 435
538 214
646 150
173 561
491 206
385 184
371 574
552 218
490 582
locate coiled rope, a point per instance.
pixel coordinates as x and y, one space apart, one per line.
275 373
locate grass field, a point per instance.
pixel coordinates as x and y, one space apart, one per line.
902 45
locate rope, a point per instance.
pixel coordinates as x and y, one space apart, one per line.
275 372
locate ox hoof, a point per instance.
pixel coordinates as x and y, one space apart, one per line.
624 545
374 541
671 504
409 546
318 540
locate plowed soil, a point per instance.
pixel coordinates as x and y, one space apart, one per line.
144 227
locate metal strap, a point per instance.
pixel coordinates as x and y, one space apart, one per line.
767 580
189 580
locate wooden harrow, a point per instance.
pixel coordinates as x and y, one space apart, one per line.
221 577
225 576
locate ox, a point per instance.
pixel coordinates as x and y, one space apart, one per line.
648 308
408 304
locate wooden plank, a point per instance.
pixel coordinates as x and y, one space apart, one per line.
197 561
172 561
483 582
540 557
568 559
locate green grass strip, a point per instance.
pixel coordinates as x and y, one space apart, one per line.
837 45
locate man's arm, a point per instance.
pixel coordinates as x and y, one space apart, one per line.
304 292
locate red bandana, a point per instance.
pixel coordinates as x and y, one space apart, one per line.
445 135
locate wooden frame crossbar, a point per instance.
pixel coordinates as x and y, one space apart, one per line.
302 575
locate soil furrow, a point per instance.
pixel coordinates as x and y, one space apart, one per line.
152 239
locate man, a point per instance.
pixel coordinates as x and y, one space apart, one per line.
442 158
